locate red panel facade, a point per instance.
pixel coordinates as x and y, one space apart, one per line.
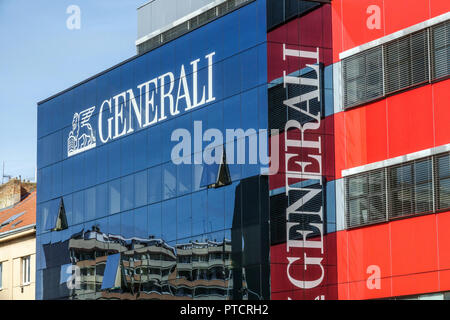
351 18
412 255
409 256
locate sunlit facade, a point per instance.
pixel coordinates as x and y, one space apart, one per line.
350 102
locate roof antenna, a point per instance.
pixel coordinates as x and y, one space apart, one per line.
5 175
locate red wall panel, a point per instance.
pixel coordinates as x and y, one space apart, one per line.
355 18
441 99
410 121
414 245
360 291
443 235
336 16
413 284
403 123
366 134
413 256
369 247
400 14
438 7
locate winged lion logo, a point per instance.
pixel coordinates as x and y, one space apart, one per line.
82 136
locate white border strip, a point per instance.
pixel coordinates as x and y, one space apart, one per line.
397 160
179 21
396 35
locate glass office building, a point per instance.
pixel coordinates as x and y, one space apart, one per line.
154 179
115 206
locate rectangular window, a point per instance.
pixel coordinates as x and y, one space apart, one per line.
366 198
423 184
415 187
401 189
402 63
441 50
406 61
26 271
443 181
411 188
363 77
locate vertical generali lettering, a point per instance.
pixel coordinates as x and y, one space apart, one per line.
303 146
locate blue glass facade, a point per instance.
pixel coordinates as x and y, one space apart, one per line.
127 196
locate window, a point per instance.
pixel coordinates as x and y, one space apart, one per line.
423 184
406 61
443 181
26 271
411 188
401 190
415 187
366 198
280 11
363 77
441 50
397 65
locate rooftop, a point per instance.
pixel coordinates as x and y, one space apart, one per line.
20 215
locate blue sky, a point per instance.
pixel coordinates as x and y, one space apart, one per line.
40 56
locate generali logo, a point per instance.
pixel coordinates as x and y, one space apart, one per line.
151 102
82 136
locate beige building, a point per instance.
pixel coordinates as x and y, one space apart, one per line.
17 241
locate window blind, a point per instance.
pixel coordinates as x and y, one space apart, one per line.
406 61
397 65
366 198
415 187
363 77
441 50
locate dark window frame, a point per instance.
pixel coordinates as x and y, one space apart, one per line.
395 212
414 60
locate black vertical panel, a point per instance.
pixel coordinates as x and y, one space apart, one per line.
292 9
278 205
277 109
275 13
250 239
280 11
236 245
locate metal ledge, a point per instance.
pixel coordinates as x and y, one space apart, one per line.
397 160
